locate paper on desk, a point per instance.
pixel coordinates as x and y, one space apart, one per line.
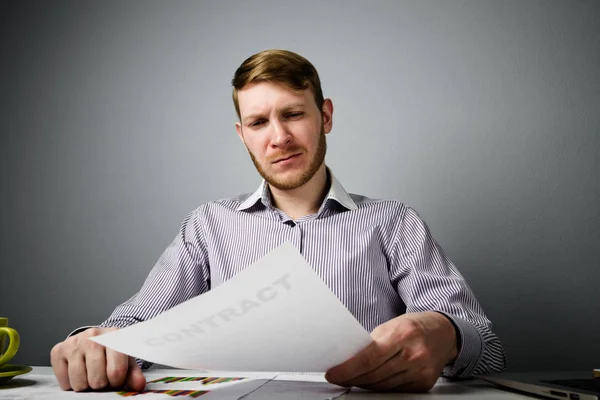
294 390
276 315
44 387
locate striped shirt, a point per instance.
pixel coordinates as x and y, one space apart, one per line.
377 256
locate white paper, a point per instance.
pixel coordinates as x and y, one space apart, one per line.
301 377
195 385
41 384
232 390
294 390
46 387
276 315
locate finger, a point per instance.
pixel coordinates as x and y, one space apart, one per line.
395 365
135 378
117 366
77 373
60 367
367 360
95 364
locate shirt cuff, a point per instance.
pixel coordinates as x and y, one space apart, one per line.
470 351
81 329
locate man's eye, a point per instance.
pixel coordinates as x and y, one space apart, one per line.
258 122
294 115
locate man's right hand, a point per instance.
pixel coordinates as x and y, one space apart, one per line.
80 364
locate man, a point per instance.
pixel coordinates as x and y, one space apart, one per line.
377 256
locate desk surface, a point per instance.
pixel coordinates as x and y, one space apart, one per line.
41 384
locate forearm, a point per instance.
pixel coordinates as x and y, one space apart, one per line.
479 350
428 281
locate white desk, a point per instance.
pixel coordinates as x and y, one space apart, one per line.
41 384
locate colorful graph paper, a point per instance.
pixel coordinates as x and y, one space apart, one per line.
204 380
175 393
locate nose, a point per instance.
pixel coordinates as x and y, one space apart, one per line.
281 136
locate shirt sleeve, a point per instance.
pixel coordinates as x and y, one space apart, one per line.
427 280
181 273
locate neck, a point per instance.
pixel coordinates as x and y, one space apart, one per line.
306 199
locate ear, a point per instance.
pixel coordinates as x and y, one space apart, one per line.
238 129
327 113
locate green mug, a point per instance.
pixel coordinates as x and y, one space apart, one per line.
13 341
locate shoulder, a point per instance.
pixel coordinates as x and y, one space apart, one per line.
394 214
388 207
220 206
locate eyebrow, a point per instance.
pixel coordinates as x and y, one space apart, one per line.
285 109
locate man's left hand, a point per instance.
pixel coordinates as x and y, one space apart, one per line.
408 354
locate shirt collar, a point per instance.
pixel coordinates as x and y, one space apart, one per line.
339 194
336 192
262 193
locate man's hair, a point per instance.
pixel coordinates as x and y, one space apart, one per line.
278 66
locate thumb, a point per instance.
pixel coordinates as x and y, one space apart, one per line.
136 380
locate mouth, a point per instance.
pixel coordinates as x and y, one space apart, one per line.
286 158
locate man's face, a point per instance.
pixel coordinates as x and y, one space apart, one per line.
284 132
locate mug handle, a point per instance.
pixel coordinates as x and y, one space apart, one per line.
13 344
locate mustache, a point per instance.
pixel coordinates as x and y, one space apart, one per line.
284 154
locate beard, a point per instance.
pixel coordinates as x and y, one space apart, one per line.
305 176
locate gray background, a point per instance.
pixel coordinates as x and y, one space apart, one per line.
116 121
